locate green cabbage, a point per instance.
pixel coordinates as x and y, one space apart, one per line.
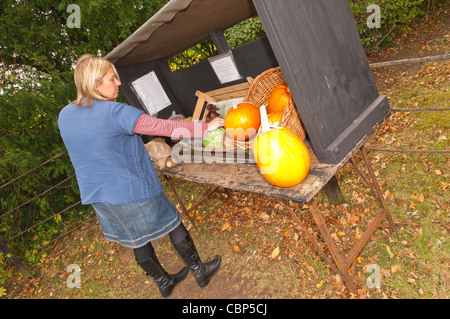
214 138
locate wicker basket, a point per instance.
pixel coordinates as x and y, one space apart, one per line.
259 93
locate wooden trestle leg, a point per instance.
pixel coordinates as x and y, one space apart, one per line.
343 266
183 207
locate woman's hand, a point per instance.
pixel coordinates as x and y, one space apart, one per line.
215 123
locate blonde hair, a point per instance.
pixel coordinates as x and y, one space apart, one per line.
89 73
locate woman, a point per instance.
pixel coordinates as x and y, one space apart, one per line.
116 176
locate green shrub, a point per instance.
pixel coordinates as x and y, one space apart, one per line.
396 17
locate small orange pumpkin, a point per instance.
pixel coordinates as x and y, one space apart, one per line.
242 121
279 98
275 117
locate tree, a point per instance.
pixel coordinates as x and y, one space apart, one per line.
39 44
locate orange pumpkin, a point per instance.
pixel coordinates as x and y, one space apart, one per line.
275 117
242 121
279 98
282 158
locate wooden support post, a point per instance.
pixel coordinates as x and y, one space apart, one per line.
333 192
16 262
374 224
219 41
200 200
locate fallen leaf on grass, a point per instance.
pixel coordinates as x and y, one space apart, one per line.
395 268
225 226
276 252
192 212
420 198
388 250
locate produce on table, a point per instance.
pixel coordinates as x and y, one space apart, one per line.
282 158
213 112
214 138
275 118
242 121
279 99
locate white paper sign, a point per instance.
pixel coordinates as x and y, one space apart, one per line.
151 93
225 67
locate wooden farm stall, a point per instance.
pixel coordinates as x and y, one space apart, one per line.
316 45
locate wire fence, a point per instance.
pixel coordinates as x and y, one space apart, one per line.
19 209
441 57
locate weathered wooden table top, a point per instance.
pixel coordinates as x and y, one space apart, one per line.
246 177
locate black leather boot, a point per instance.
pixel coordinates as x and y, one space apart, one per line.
202 272
165 281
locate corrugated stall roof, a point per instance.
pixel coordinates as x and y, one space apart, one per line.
179 25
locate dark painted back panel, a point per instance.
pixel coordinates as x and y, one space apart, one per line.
251 59
317 45
130 73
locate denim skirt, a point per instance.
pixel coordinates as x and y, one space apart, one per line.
135 224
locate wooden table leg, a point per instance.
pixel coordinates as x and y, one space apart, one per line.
346 267
180 202
185 210
333 192
377 187
313 240
343 269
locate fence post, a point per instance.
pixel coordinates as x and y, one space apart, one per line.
16 262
